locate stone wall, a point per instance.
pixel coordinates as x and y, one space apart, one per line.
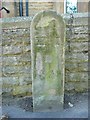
77 55
15 56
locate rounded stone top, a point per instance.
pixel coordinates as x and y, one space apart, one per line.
43 18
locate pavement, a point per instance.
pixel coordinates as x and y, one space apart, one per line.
77 109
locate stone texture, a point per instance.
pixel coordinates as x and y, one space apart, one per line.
76 57
10 80
22 90
16 32
73 87
79 46
47 40
77 67
77 76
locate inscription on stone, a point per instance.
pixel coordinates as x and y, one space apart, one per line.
47 42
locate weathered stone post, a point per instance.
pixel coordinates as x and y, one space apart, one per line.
47 53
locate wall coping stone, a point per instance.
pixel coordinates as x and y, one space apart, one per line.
29 18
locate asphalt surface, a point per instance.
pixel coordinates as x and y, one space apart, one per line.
79 109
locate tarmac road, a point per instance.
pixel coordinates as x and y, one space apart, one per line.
79 110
